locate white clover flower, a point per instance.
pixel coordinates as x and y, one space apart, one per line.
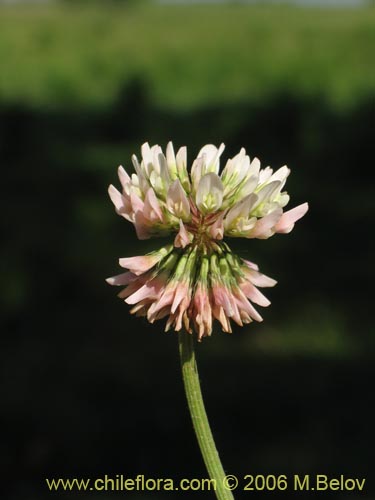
198 278
247 201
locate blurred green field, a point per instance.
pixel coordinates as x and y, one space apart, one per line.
90 389
188 55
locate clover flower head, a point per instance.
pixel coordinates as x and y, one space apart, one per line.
197 279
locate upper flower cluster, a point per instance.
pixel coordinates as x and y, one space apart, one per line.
242 200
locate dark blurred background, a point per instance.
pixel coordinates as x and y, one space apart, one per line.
88 390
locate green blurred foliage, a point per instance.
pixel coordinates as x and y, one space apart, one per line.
82 54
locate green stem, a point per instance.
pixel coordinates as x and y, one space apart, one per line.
199 416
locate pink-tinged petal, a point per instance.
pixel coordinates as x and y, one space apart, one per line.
164 300
216 230
263 227
124 177
160 314
146 228
254 294
286 223
183 237
177 201
116 197
252 312
250 264
236 316
181 314
259 279
149 290
121 203
133 286
121 279
181 292
142 293
139 264
245 305
137 203
142 226
222 298
152 209
220 315
202 313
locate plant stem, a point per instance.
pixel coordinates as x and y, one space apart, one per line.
199 416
